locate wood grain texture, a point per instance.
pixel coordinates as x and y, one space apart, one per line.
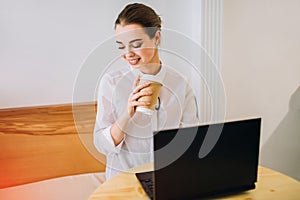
270 185
38 143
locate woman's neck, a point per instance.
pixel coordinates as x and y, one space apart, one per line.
152 68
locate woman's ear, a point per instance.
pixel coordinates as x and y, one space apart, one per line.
157 37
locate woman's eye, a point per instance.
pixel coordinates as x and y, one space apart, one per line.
138 45
121 47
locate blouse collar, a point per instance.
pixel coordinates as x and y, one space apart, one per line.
159 77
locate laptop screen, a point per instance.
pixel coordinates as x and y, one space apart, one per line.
230 165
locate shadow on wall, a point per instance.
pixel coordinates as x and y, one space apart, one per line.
282 150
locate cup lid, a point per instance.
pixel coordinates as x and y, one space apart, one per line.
153 78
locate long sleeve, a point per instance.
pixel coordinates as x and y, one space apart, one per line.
105 118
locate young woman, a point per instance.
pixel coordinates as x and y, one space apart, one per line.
121 133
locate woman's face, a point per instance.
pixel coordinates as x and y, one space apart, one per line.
136 47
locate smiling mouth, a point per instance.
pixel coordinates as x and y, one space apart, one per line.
133 61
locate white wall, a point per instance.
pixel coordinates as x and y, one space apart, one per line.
44 43
261 70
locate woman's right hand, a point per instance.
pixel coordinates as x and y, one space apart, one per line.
136 94
117 129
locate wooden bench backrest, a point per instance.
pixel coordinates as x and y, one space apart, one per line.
38 143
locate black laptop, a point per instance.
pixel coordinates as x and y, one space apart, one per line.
204 161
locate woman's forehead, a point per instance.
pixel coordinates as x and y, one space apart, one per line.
129 32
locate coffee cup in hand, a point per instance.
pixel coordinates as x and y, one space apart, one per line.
154 87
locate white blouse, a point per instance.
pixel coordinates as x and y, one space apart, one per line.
177 109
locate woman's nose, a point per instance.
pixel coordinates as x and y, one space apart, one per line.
129 54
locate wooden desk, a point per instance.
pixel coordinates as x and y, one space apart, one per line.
271 185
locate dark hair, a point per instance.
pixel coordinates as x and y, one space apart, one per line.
141 14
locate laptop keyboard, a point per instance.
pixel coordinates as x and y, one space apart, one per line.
146 180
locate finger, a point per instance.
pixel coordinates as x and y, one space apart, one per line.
137 81
140 87
138 95
139 103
